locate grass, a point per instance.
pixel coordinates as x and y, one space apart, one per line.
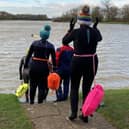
116 109
12 115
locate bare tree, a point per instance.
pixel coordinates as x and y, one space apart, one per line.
97 12
72 12
113 13
125 13
106 11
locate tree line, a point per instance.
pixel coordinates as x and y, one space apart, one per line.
106 13
9 16
111 13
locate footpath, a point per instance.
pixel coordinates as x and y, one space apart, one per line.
50 115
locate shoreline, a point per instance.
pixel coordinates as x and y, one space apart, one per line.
11 90
66 21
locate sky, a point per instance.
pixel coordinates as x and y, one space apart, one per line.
52 8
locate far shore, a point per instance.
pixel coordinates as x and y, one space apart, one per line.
105 22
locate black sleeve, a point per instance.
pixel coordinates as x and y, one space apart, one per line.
20 67
29 55
98 35
53 55
68 38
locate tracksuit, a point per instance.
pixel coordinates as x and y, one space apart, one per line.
63 62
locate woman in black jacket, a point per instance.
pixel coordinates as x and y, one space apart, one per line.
40 50
85 40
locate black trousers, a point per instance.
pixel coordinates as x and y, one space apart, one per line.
82 67
26 80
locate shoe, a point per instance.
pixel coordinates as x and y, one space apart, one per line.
64 99
31 102
40 101
72 116
91 115
58 100
27 100
84 119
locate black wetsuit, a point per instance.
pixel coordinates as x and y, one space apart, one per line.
85 41
24 78
39 70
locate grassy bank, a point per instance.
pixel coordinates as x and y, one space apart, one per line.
116 109
12 115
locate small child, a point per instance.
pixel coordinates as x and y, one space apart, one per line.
63 63
24 77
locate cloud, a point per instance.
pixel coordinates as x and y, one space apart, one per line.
8 4
17 3
120 3
52 10
39 3
49 7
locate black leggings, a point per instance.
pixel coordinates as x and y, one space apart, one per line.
42 89
81 67
38 78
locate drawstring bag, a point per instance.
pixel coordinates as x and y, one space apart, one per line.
53 81
93 100
22 89
94 97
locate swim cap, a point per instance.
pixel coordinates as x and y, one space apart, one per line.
45 32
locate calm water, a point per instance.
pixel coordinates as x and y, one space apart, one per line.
113 51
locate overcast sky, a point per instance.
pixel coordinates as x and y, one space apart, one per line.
50 7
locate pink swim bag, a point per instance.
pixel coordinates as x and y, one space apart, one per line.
93 100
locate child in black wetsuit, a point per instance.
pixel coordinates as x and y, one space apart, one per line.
25 78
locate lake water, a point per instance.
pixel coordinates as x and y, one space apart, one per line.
113 51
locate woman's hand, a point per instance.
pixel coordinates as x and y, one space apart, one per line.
72 24
96 23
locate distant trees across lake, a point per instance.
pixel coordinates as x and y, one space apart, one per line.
108 12
9 16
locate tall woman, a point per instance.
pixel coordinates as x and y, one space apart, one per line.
85 40
40 50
